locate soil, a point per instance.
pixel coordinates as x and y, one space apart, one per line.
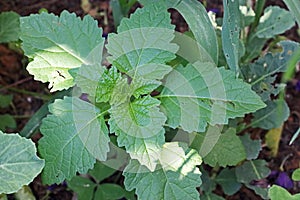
14 79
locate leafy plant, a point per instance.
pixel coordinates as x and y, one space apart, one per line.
152 89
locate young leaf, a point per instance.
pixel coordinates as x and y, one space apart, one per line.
9 27
228 151
206 94
278 193
275 21
74 135
252 147
231 33
177 178
252 170
57 44
272 116
144 38
19 163
227 179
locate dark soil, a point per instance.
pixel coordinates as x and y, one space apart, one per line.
14 79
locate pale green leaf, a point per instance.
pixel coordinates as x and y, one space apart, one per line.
57 44
144 38
231 33
9 27
228 151
206 94
279 193
296 175
274 21
294 7
252 147
199 23
177 178
19 164
87 77
227 179
272 116
73 136
252 170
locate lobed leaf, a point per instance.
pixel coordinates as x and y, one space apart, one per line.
206 94
19 164
73 136
177 178
57 44
277 193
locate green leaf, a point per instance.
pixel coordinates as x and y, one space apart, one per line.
24 193
83 187
144 38
7 121
109 191
275 21
296 175
57 44
228 151
227 179
262 192
5 100
262 73
19 163
87 77
252 170
106 84
278 193
211 196
177 178
79 134
272 116
294 7
231 33
247 15
101 171
208 183
252 147
199 23
139 126
9 27
206 94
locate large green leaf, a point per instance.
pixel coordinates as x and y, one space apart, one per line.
279 193
206 94
272 116
275 21
252 170
57 44
231 33
144 38
19 164
176 178
228 151
74 135
9 27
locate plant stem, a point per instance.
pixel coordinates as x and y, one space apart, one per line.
33 94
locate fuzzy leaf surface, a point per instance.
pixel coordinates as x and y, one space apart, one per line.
19 164
73 136
206 94
57 44
176 178
143 38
